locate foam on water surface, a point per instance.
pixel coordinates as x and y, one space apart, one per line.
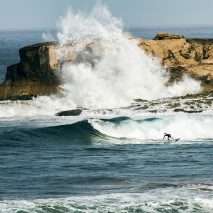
181 200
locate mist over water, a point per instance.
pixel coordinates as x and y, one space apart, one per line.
99 24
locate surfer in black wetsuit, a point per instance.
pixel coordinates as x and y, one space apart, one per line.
168 136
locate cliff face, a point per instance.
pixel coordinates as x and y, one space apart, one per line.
37 73
180 55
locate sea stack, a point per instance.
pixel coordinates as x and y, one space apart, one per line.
35 74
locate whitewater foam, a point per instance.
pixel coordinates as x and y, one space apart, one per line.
161 200
187 127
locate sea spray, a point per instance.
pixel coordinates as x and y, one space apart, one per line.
114 71
99 24
108 69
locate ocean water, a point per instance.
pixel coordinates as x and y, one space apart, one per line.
112 157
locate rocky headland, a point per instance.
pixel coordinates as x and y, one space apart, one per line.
35 74
38 72
193 57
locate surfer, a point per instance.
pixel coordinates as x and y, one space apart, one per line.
168 136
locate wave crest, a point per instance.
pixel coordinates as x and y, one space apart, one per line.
183 126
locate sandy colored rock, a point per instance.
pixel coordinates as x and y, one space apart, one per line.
37 73
193 57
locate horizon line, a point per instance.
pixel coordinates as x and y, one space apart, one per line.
125 27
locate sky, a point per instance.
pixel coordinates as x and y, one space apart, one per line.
43 14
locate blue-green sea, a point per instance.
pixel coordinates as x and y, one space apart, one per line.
106 159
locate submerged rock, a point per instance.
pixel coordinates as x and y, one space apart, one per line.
74 112
188 111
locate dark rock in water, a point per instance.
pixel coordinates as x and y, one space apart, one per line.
153 111
187 111
140 100
74 112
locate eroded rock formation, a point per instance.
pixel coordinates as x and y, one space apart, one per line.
180 55
37 73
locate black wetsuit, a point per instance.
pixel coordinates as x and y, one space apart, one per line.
168 136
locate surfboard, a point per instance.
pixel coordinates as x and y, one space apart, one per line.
177 139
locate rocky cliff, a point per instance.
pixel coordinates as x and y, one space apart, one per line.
37 73
180 55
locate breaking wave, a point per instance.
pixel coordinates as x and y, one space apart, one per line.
116 130
109 69
183 126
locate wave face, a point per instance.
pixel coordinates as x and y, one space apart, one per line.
118 130
114 71
185 126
